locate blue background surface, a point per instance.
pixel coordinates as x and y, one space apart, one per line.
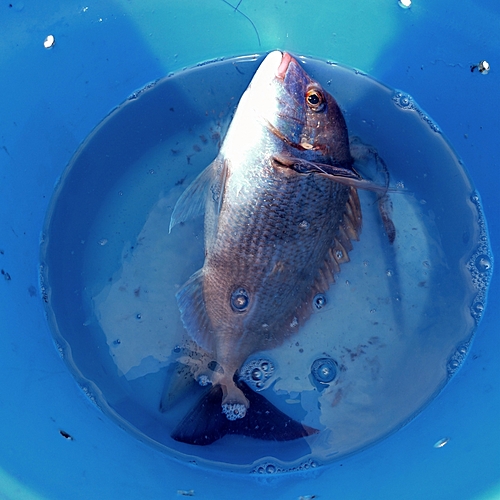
50 100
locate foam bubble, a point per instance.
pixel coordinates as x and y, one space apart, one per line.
239 300
324 370
271 468
257 373
405 101
86 390
483 263
480 265
234 411
319 301
457 358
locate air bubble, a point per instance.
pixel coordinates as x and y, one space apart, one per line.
483 263
403 100
324 370
60 349
339 254
270 469
239 300
457 358
478 307
319 301
90 395
257 373
429 122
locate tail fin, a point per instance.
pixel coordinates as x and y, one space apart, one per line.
205 422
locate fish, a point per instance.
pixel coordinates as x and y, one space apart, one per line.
281 210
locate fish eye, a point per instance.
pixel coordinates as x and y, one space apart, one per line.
315 99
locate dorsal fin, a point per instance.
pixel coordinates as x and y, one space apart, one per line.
349 229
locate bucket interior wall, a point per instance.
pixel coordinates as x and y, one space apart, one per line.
55 442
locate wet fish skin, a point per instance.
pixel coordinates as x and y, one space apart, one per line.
271 229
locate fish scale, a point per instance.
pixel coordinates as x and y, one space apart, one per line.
263 249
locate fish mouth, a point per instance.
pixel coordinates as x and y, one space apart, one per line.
286 59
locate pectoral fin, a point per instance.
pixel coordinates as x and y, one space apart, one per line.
206 188
370 163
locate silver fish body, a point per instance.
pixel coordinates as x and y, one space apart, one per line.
280 209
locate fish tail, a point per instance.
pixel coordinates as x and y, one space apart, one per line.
204 423
207 421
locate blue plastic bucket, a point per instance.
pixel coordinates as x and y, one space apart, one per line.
55 442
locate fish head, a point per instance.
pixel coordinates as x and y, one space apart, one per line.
299 111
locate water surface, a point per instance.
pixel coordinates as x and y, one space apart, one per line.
387 336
